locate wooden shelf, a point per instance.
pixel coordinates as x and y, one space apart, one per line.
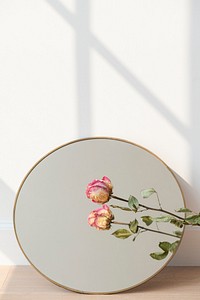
24 283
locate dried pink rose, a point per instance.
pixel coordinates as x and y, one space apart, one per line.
101 218
99 191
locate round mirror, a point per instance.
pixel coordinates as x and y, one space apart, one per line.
105 235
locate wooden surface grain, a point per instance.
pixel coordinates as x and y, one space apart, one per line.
24 283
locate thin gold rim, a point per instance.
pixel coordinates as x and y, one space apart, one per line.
77 141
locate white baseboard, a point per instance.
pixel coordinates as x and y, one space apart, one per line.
6 225
188 253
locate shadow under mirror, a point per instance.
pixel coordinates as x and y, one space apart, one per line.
167 282
188 251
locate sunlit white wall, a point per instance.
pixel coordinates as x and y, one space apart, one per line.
79 68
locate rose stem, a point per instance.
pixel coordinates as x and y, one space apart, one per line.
158 200
146 229
150 208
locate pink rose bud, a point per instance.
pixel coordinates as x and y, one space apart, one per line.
99 191
101 218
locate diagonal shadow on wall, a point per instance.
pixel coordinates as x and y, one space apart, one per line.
85 42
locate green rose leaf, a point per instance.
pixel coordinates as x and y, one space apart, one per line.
133 226
147 193
147 220
177 223
174 246
193 220
166 246
122 233
163 219
159 255
178 233
133 203
184 210
121 207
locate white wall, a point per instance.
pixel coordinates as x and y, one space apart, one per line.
78 68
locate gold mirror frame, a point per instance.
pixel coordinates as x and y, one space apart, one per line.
58 148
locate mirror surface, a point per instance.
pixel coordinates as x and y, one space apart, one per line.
51 211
